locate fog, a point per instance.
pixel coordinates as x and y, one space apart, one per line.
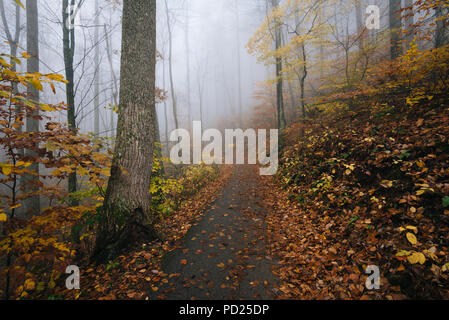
205 68
218 33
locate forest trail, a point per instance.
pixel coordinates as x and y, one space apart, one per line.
224 255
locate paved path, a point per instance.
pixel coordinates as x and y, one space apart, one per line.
223 257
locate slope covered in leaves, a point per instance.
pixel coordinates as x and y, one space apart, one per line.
363 188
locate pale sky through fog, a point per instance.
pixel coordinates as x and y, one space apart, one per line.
213 56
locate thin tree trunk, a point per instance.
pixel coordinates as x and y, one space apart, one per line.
126 219
13 44
170 67
302 82
97 73
187 43
165 102
114 80
292 100
69 52
239 67
32 183
279 77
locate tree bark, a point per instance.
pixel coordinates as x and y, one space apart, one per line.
409 20
441 33
68 38
32 183
395 28
239 67
187 42
170 67
97 73
279 77
126 218
13 42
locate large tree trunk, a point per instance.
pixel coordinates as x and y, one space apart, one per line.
126 218
32 183
409 20
359 22
441 33
395 28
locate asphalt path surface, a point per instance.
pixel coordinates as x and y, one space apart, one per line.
223 257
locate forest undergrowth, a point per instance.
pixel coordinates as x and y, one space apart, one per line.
365 187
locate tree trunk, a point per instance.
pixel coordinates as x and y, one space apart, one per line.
32 183
359 22
187 42
165 102
441 33
279 77
68 38
303 81
239 67
395 28
126 219
170 67
97 73
409 20
114 81
13 43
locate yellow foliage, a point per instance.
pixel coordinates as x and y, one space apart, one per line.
412 238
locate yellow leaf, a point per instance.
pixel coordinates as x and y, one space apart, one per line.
414 229
29 285
386 184
36 84
7 170
420 163
15 207
421 258
411 238
51 284
445 268
420 192
19 3
46 107
3 217
413 258
55 77
26 55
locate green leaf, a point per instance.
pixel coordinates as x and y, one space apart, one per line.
446 202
